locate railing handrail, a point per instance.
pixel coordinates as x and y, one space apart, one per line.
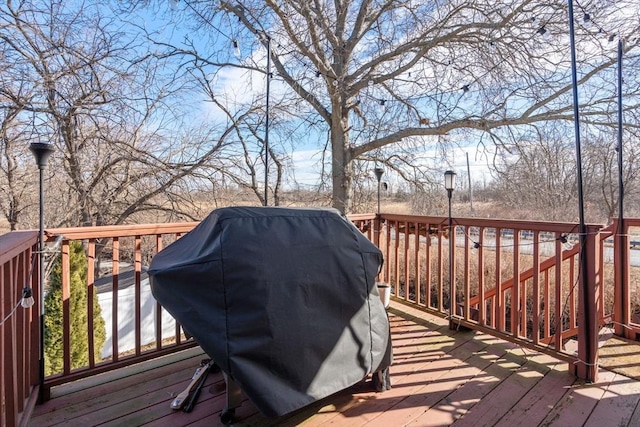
127 230
14 243
552 226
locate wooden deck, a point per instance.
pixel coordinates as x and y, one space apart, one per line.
439 377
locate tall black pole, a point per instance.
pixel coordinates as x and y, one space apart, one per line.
41 282
589 351
266 126
621 230
450 184
470 188
452 288
41 152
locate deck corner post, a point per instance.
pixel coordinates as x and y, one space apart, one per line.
621 312
586 367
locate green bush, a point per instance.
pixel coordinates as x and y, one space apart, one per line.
79 343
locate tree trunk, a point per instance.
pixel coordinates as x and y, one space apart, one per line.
341 166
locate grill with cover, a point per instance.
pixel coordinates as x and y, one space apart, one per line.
283 300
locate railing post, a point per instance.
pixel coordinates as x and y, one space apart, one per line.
586 367
621 307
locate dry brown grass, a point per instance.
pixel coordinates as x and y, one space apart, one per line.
4 226
433 290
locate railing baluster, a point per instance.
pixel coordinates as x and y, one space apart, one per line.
66 308
515 289
536 288
22 380
428 301
558 297
418 277
440 284
158 306
387 251
482 314
9 392
91 294
115 284
137 264
466 275
499 296
405 257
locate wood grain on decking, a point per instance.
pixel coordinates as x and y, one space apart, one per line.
440 377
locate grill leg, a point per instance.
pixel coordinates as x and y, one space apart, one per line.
234 399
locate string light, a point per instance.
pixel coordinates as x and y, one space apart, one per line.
236 49
586 17
27 298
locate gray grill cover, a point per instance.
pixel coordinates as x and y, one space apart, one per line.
283 300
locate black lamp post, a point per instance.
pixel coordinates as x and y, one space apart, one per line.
266 125
379 172
449 185
621 231
41 152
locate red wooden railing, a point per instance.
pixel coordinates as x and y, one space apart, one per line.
20 328
513 279
627 323
115 246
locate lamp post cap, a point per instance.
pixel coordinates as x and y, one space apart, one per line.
378 171
41 151
449 180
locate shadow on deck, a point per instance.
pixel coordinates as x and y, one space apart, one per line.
439 377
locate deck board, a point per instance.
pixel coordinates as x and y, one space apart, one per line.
617 405
534 406
439 377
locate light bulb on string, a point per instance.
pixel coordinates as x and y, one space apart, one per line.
236 49
566 244
27 298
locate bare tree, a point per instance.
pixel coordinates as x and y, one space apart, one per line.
16 181
248 153
537 175
388 78
110 108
